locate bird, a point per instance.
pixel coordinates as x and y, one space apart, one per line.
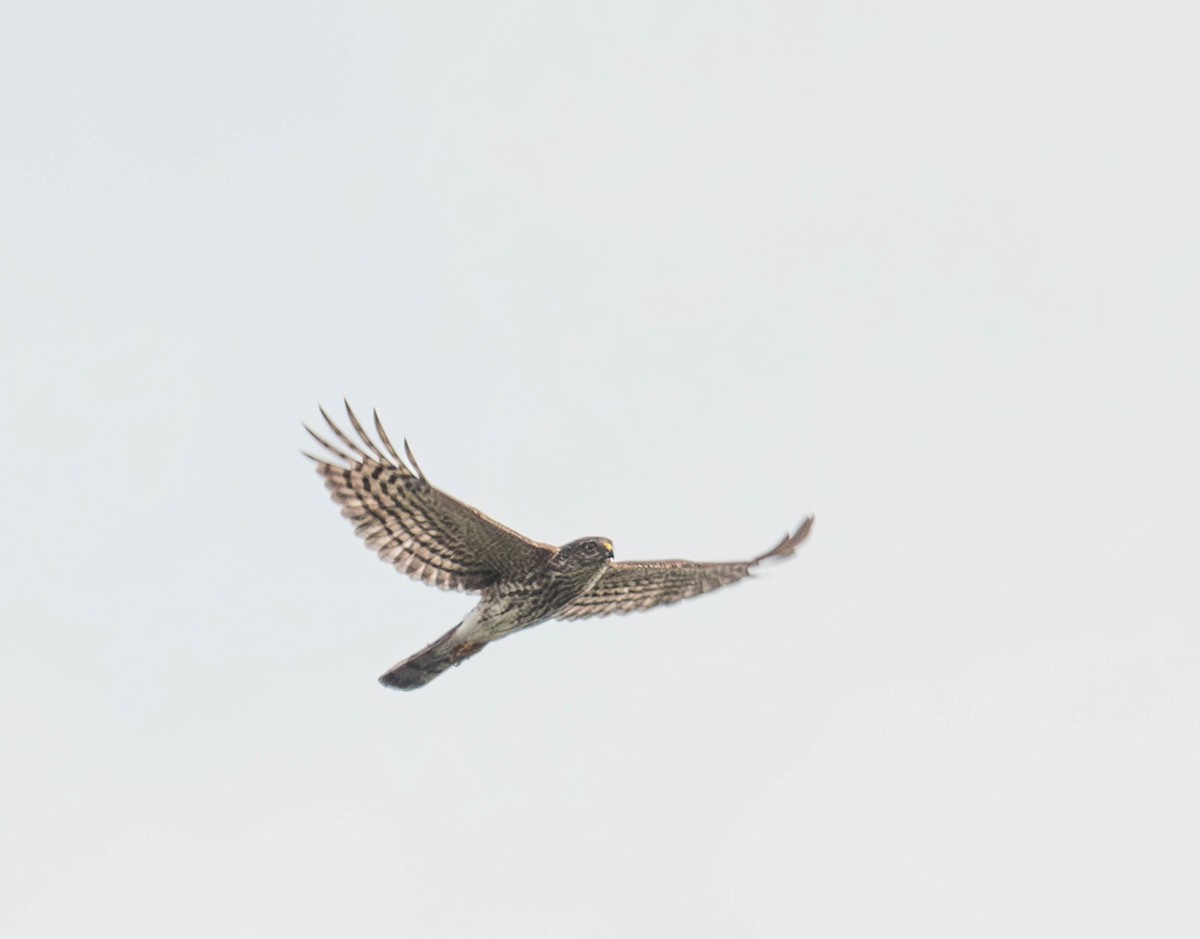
438 540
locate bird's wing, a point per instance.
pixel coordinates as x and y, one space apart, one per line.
626 586
422 531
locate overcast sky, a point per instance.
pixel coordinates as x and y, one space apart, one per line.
674 273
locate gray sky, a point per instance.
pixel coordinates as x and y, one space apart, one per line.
678 274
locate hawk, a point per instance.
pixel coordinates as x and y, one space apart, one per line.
432 537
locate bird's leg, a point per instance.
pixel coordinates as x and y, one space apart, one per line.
464 652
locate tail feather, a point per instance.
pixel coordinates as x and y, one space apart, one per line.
423 667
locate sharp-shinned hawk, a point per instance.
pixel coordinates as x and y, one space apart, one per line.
434 538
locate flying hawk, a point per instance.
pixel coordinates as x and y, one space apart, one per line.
434 538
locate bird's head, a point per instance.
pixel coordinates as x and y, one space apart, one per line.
586 551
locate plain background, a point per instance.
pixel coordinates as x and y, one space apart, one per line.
674 273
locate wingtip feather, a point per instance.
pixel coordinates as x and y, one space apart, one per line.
413 460
363 435
789 543
328 446
386 442
360 454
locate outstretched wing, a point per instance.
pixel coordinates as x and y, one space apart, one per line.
626 586
422 531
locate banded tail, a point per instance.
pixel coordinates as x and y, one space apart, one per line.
423 667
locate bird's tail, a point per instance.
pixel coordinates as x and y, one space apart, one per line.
424 666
